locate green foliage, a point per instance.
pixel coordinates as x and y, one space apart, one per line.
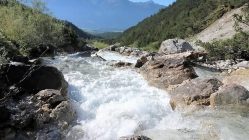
98 44
182 19
109 35
30 27
235 48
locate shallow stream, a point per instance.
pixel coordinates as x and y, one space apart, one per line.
114 102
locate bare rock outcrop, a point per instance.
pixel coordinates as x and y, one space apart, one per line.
166 70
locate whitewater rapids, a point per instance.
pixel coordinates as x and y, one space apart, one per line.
115 102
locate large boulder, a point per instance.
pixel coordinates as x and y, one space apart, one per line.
239 76
163 71
33 78
230 95
173 46
194 92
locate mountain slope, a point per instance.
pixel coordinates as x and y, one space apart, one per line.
223 28
30 29
184 18
104 15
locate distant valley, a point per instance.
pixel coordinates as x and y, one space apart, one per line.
97 14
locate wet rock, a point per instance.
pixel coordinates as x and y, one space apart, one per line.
194 92
41 50
53 106
63 113
50 134
230 95
163 71
84 54
21 59
173 46
5 114
88 48
135 138
140 62
114 47
34 78
121 64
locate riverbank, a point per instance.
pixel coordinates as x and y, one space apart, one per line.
175 73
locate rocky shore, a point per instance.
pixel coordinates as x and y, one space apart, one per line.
34 98
172 69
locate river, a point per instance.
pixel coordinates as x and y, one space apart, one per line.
114 102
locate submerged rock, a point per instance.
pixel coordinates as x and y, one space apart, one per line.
194 92
121 64
172 46
230 95
163 71
135 138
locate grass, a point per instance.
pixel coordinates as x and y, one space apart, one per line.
99 44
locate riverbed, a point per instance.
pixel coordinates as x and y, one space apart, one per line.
114 102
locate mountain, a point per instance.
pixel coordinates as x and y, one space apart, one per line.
103 15
182 19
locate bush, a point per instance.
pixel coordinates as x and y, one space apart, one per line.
235 48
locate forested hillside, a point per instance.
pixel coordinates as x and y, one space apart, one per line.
182 19
31 27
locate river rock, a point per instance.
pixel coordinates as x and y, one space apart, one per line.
114 47
172 46
141 61
41 50
194 92
5 115
53 105
230 95
34 78
135 138
163 71
88 48
239 77
121 64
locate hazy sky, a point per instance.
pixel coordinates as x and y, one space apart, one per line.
163 2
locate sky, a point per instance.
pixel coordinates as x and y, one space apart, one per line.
162 2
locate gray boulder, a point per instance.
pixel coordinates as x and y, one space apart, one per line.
194 92
172 46
33 78
163 71
230 95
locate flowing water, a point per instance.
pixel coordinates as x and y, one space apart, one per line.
114 102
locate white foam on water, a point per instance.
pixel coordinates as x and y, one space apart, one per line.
114 102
